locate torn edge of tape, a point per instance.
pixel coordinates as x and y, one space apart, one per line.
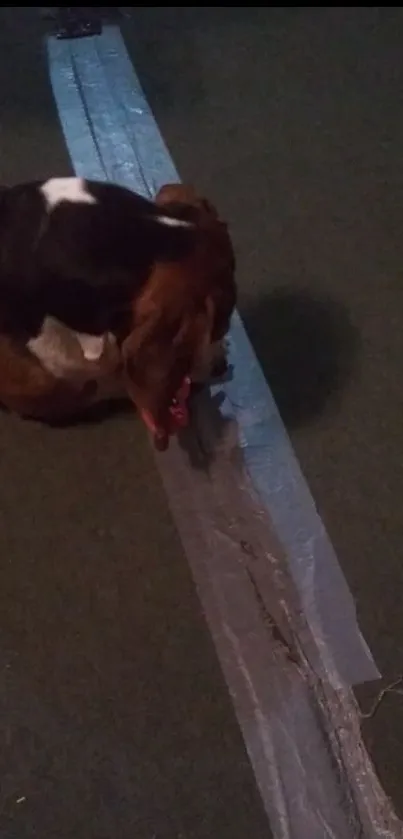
277 603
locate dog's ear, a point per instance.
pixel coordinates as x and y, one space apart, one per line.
159 353
166 344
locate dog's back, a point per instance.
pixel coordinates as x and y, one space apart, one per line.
79 250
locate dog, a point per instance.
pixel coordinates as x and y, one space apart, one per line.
103 292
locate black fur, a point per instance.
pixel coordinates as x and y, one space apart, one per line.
80 262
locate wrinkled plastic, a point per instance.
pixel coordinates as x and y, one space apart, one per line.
279 609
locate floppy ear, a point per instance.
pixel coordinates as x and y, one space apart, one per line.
160 352
167 348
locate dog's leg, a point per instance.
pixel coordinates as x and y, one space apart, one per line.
85 364
103 364
28 389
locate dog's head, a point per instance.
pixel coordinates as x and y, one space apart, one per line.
182 313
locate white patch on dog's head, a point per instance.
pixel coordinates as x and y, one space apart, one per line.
57 190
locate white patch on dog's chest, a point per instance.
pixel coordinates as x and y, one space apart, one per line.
57 190
68 354
91 345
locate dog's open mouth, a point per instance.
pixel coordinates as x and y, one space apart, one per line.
178 417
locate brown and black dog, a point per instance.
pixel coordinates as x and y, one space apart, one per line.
103 292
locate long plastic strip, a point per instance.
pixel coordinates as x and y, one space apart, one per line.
277 603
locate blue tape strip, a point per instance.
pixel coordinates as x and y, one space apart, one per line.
80 139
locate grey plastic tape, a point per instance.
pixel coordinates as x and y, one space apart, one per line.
279 609
129 150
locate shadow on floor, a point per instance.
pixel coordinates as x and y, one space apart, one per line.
92 416
307 346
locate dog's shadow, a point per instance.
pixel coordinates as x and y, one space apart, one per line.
306 344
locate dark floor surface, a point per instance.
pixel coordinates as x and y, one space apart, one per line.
115 720
292 120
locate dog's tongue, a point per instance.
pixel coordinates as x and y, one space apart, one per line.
178 413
